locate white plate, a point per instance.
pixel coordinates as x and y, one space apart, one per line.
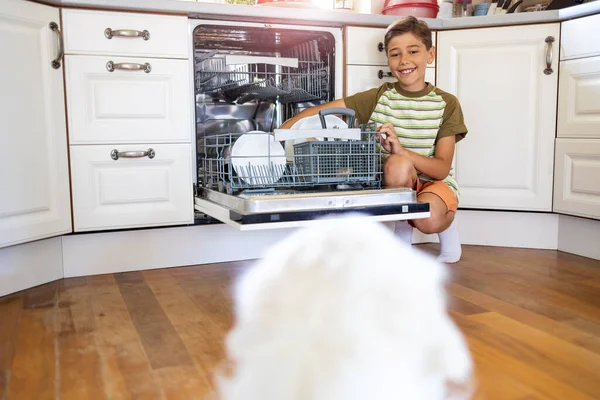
257 158
312 122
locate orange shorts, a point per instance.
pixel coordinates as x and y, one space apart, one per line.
440 189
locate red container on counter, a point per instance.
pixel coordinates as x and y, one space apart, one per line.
419 8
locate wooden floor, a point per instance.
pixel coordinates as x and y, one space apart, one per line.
532 319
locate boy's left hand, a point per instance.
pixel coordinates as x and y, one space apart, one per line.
389 139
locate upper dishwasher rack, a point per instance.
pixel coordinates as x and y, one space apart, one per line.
242 78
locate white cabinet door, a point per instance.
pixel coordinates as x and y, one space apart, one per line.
509 105
361 77
572 43
364 45
577 190
128 106
135 190
34 175
579 98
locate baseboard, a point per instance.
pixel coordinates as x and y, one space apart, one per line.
110 252
30 264
579 236
502 228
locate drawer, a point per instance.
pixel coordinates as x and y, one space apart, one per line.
577 37
362 77
131 192
364 46
128 106
579 98
85 33
577 186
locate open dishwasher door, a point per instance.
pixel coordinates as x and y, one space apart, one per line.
271 209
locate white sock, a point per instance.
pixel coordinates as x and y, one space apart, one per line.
403 231
450 249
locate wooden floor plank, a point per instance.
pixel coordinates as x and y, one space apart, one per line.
33 374
10 312
541 383
161 342
201 336
567 362
79 360
124 365
559 329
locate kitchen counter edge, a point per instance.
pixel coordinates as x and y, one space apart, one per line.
275 15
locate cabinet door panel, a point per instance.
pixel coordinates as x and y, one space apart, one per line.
509 104
34 175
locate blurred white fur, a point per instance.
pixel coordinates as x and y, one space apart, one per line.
344 311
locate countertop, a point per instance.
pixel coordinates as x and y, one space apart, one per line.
319 17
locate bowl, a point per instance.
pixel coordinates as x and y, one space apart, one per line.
419 10
285 3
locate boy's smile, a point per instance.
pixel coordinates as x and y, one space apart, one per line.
407 59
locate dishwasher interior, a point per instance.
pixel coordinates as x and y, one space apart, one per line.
248 81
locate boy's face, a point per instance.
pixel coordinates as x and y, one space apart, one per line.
407 59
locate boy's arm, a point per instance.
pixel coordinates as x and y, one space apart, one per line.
437 167
312 111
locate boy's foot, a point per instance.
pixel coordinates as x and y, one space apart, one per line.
450 249
403 231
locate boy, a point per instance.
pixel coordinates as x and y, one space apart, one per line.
418 126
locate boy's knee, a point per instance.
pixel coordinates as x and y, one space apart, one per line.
434 224
398 171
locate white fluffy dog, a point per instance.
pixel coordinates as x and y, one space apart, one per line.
344 311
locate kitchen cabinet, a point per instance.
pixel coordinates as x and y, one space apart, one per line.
579 98
131 119
34 175
122 106
366 61
508 95
577 162
573 33
577 185
151 187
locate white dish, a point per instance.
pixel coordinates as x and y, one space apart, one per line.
257 158
313 122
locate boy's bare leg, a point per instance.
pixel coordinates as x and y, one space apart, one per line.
440 222
399 172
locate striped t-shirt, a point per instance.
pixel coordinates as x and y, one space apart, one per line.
420 118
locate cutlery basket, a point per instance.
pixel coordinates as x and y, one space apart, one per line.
327 162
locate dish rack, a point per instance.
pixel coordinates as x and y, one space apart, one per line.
315 163
215 75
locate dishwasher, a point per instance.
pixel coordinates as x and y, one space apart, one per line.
249 79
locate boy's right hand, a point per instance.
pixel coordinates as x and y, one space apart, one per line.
389 139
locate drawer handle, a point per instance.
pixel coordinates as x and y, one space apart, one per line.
146 67
380 46
126 33
116 154
381 74
549 40
61 48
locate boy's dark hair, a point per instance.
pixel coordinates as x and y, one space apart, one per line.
412 25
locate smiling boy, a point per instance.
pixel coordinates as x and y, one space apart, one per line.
418 126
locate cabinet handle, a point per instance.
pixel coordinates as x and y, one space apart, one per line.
115 154
380 46
126 33
549 40
381 74
146 67
61 48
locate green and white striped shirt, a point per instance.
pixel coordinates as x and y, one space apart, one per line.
420 118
